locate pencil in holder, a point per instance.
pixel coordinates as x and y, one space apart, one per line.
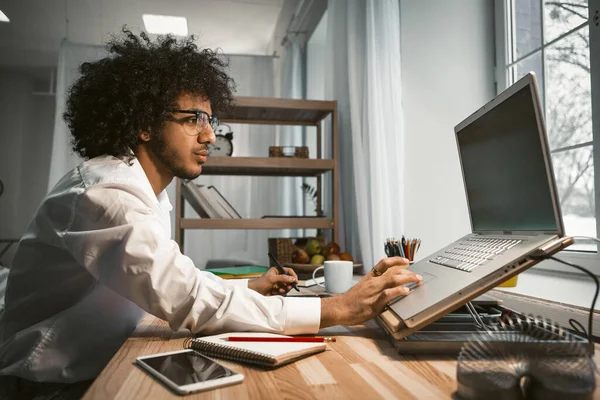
404 247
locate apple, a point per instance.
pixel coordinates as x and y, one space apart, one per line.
300 256
313 246
331 248
317 259
346 257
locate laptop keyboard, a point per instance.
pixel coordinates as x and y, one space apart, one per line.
474 252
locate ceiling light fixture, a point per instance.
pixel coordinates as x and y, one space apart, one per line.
164 24
3 17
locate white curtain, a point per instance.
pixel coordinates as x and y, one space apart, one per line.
315 90
251 196
292 87
70 57
363 75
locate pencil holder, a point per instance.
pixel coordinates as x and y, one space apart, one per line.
404 247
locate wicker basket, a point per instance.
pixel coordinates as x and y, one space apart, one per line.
283 248
301 152
275 151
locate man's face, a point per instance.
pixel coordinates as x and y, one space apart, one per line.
180 148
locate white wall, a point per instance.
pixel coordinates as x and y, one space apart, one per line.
26 123
15 99
447 73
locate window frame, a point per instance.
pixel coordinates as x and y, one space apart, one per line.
503 23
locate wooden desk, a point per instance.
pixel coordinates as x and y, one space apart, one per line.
362 364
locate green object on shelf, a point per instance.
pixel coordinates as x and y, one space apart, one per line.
248 271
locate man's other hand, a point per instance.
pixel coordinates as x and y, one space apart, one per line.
272 283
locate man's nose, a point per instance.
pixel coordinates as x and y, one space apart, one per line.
207 135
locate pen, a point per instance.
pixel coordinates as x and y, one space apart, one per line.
387 248
282 271
279 339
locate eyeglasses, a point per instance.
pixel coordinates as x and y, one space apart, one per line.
196 124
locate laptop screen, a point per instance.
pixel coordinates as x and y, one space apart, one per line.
504 170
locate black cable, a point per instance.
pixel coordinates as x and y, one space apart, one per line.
572 321
576 325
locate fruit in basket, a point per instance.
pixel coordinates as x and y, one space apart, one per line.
331 248
300 256
317 259
300 242
346 257
332 257
313 246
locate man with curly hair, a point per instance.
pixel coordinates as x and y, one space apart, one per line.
97 255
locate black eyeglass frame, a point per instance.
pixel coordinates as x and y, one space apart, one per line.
212 120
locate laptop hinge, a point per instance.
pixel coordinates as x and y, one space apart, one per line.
507 232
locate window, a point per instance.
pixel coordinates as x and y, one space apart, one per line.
552 38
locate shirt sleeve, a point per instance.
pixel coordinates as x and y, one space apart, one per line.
237 282
117 234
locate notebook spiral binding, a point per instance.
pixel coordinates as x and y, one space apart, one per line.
229 353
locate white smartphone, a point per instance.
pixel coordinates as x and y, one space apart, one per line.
186 371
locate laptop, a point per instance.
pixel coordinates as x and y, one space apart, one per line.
513 208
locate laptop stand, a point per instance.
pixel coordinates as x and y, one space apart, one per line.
477 320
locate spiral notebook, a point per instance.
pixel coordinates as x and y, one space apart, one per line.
265 354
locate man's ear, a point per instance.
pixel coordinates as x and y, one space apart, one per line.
144 136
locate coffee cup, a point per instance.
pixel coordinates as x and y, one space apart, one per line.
338 276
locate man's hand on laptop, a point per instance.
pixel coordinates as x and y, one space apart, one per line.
368 297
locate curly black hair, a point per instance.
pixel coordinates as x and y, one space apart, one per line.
130 90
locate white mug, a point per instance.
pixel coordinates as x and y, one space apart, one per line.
338 276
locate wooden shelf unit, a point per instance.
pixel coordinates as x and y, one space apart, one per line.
261 110
260 223
269 166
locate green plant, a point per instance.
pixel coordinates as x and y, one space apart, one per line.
312 194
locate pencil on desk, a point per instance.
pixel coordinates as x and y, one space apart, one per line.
279 339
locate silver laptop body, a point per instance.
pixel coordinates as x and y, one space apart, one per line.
513 207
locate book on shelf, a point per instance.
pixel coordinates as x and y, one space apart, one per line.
207 201
265 354
188 190
219 202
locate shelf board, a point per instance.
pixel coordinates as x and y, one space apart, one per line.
261 110
266 166
261 223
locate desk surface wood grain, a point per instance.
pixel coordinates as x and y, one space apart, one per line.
362 364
